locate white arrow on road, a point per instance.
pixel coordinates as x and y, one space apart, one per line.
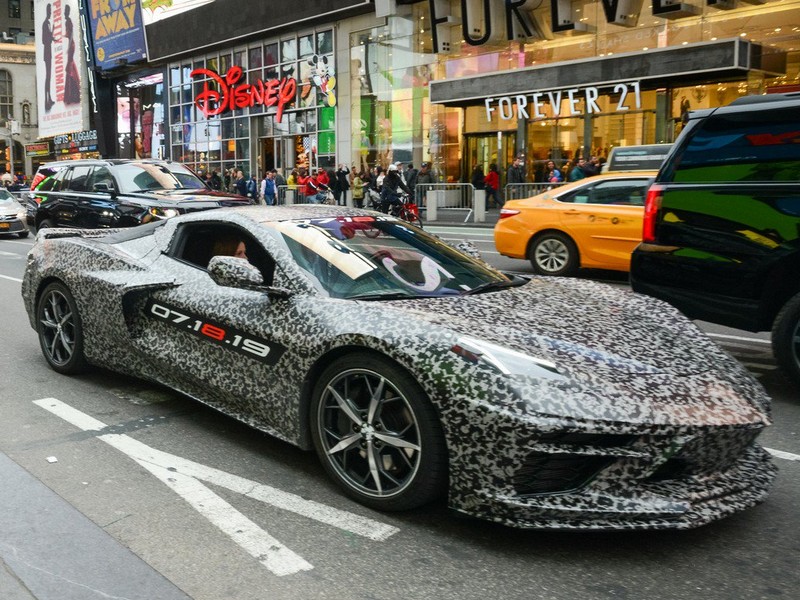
185 476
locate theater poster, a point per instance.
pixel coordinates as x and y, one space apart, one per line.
60 66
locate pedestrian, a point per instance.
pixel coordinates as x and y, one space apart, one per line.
477 178
492 185
280 186
411 177
252 189
216 182
576 173
515 172
553 173
358 190
240 184
268 189
342 184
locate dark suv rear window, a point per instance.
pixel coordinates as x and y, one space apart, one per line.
745 146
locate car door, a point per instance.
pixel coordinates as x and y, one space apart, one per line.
605 220
96 208
223 345
48 194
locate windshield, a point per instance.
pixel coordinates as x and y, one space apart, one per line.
369 257
143 177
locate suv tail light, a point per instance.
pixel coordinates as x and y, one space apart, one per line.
508 212
651 207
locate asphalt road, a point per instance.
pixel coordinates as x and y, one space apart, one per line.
91 508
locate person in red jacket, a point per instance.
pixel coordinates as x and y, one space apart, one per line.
492 185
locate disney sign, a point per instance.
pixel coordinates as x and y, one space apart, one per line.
227 95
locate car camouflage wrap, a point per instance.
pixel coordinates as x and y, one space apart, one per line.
553 403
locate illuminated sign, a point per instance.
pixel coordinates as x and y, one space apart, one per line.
79 141
561 103
37 149
221 94
117 32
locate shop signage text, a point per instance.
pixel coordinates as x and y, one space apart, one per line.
532 106
223 94
490 20
37 149
80 141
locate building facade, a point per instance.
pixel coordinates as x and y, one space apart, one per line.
455 83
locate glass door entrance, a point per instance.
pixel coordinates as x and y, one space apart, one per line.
485 149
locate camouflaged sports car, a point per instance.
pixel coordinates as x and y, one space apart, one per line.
413 369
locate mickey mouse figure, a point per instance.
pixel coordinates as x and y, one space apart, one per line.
322 75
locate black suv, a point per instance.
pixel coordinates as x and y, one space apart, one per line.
95 194
721 237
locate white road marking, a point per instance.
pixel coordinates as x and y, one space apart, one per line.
14 254
10 278
184 477
783 455
738 338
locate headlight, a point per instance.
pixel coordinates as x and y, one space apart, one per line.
21 215
504 360
164 213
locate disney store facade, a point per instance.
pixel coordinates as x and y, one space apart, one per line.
450 82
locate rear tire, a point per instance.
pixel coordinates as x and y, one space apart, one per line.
45 224
786 338
553 253
60 330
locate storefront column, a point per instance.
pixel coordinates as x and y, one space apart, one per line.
588 136
522 137
663 120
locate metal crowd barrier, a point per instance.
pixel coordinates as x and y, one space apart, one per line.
517 191
447 201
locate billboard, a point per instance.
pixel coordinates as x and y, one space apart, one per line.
117 33
60 66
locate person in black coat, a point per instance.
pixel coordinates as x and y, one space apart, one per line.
342 180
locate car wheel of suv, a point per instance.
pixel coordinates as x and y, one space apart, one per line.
553 253
23 234
45 224
786 338
60 330
377 433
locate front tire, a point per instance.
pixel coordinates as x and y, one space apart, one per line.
23 234
786 338
377 433
60 330
555 254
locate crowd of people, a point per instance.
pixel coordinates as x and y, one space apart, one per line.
319 185
386 185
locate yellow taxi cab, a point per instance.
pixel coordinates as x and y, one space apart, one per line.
593 223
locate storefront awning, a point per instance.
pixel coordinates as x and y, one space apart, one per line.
704 62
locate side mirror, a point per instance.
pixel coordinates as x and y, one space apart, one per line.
101 186
235 272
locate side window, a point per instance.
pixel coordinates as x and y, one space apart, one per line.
51 181
198 244
625 192
756 145
79 179
101 175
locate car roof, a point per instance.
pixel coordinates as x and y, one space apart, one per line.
609 176
105 162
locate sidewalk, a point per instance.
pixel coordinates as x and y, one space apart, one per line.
50 551
456 216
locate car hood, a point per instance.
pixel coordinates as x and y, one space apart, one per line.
620 357
582 327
